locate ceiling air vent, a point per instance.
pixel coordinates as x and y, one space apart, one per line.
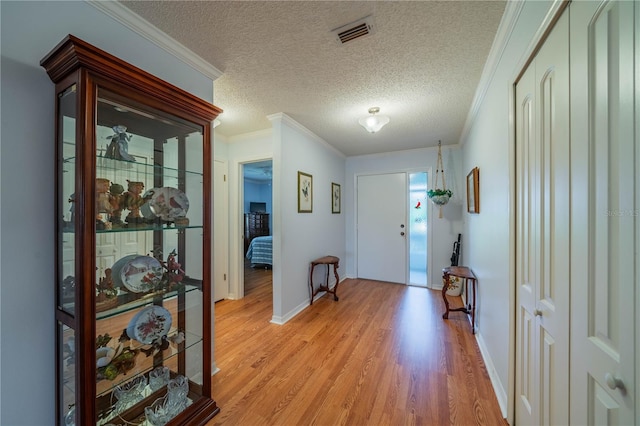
360 28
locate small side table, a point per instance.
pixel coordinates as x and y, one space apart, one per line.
326 260
467 274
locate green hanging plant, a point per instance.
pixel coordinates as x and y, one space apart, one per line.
439 192
439 196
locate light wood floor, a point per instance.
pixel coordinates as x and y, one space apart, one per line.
382 355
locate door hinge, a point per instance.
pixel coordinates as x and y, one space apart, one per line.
225 177
225 277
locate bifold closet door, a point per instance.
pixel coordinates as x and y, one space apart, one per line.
542 217
605 227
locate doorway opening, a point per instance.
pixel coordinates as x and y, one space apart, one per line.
258 225
418 229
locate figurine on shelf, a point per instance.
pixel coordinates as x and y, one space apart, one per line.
106 293
132 201
72 209
118 149
110 362
68 289
116 191
173 274
103 203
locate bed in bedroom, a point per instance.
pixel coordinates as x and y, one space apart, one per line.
260 251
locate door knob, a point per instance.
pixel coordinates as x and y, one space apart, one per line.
402 233
402 225
613 382
537 312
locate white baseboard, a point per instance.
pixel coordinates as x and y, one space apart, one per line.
501 394
301 307
292 313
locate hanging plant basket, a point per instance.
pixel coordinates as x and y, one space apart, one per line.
439 196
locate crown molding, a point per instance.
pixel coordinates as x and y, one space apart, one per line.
144 28
281 116
505 30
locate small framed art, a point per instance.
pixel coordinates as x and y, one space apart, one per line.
473 191
335 198
305 193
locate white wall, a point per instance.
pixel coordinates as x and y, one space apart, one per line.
241 149
300 238
443 231
489 242
29 30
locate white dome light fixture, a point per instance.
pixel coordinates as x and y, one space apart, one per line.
372 123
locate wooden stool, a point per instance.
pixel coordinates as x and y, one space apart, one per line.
327 260
467 274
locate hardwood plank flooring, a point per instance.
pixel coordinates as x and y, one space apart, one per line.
382 355
256 277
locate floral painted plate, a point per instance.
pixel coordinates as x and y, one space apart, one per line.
150 324
141 274
167 203
117 268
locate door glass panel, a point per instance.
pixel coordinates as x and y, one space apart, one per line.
67 367
418 229
66 208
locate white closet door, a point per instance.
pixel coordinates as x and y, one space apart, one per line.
605 225
542 123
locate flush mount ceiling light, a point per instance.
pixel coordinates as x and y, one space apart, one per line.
372 123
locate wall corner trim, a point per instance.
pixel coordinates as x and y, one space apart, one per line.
294 124
144 28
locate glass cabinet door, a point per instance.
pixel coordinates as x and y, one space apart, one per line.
148 257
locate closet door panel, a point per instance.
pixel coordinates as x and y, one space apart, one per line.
605 178
527 411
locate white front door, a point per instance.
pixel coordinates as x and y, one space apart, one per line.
542 214
605 227
382 231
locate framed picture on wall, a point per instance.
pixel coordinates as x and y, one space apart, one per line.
305 193
473 191
335 198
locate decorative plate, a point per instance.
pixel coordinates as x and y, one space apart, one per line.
150 324
141 274
167 203
117 268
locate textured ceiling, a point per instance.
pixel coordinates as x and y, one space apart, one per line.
421 65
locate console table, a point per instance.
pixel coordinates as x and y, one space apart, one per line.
467 274
326 260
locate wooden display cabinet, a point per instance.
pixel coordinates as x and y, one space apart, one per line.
133 287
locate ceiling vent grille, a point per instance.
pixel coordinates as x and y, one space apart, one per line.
360 28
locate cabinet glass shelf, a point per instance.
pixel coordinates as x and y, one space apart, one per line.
129 305
112 165
145 364
164 227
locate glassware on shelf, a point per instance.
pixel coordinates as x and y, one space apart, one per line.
158 378
177 391
161 411
130 393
